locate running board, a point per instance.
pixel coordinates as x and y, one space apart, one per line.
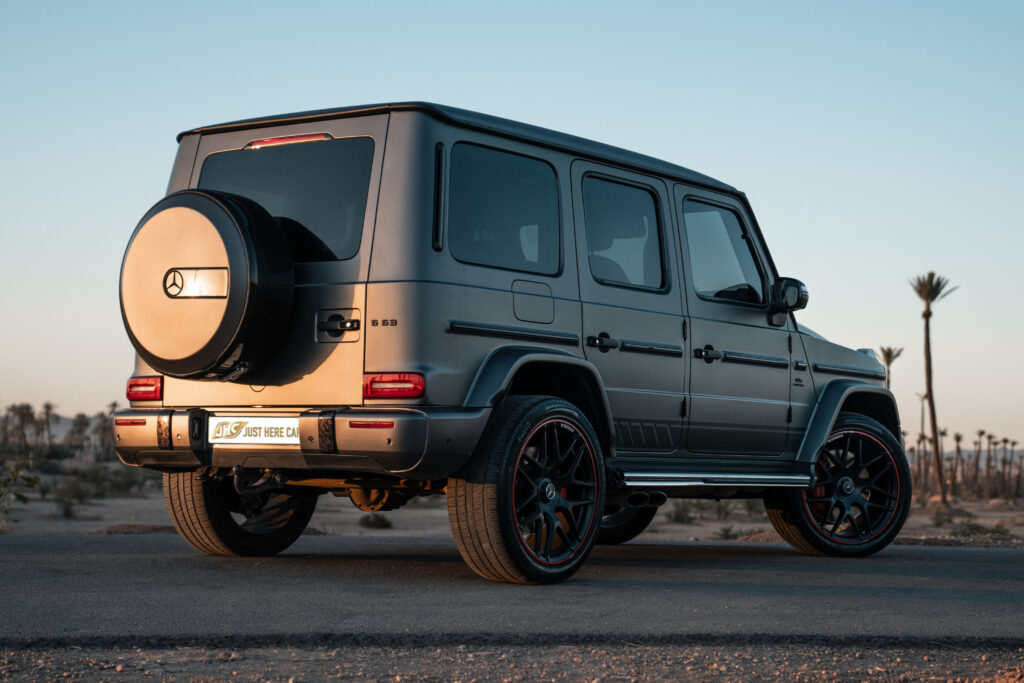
672 480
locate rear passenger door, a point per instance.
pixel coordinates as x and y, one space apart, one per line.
632 309
740 364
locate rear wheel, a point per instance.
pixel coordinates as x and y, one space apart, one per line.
624 524
214 518
861 498
527 507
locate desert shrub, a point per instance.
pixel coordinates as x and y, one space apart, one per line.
730 533
754 507
724 508
969 529
15 482
683 511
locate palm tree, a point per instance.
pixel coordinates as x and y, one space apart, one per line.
932 288
49 418
977 461
958 467
889 354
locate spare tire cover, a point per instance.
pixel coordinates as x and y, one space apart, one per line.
206 285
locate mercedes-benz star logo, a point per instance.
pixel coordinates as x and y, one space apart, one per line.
174 282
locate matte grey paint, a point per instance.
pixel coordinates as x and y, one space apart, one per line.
759 410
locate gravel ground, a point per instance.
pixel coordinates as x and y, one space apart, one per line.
757 661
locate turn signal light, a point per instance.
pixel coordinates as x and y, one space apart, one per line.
393 385
145 389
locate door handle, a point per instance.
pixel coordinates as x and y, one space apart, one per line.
708 353
603 342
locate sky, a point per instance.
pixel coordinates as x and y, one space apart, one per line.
876 141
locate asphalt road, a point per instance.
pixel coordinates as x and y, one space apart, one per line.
155 590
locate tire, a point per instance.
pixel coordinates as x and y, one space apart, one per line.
862 497
625 524
220 268
525 509
215 519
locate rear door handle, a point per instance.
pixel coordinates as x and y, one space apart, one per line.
708 353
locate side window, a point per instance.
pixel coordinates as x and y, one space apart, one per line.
722 261
503 210
623 237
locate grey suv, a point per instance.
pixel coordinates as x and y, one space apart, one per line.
399 300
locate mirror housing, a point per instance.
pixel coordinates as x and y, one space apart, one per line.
788 295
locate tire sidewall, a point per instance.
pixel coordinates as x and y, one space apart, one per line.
810 530
539 414
243 542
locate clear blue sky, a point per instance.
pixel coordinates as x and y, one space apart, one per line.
876 140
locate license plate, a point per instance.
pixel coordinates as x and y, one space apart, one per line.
254 430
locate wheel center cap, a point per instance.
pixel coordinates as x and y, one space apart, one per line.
549 491
846 486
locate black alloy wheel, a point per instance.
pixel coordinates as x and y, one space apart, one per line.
527 507
553 491
860 498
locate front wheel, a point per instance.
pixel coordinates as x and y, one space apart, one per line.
214 518
861 497
527 508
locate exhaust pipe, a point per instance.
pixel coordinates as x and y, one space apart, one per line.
656 499
637 499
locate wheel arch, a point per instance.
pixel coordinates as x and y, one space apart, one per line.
851 396
548 372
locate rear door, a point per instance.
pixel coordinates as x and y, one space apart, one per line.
632 309
320 180
740 364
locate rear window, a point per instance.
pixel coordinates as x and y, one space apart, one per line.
316 190
503 210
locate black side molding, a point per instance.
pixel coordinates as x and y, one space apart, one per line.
848 371
513 332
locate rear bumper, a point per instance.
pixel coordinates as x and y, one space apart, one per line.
421 443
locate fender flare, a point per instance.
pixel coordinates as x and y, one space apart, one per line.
497 370
830 403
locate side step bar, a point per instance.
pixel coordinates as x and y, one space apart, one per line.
675 480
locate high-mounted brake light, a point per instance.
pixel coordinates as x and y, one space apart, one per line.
145 389
393 385
287 140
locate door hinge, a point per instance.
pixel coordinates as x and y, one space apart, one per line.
682 411
790 343
684 330
789 414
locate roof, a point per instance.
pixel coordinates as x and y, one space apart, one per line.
490 124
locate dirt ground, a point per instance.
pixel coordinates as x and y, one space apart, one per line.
745 660
460 662
705 520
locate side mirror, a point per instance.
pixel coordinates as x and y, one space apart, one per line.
788 295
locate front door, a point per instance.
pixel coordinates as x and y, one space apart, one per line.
740 363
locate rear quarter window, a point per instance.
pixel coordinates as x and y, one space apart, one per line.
316 190
503 210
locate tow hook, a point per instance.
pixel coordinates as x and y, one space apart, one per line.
270 480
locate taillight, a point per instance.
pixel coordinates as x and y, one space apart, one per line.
145 389
287 140
393 385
